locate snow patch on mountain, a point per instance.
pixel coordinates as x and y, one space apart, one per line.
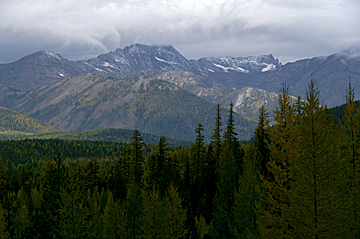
168 62
269 67
231 68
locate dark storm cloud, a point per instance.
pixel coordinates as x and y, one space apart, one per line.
85 28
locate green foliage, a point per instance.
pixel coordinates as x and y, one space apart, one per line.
262 138
15 125
3 171
154 222
112 135
229 170
244 222
3 231
176 214
115 190
159 165
273 222
137 159
351 150
133 210
111 218
73 214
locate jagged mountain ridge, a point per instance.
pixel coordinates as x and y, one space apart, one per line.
45 68
262 72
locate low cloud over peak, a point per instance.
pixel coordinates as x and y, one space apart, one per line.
85 28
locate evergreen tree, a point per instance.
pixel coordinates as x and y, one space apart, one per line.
125 164
198 155
44 216
318 201
351 135
176 215
95 222
24 180
224 198
244 223
272 212
112 178
60 172
212 167
197 171
216 137
3 171
155 217
91 174
174 168
261 139
229 171
163 165
111 218
11 206
3 230
137 157
133 210
20 222
123 226
73 214
231 141
159 167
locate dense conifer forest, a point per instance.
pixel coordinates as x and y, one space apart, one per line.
298 178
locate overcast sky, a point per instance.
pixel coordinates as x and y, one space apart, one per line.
82 29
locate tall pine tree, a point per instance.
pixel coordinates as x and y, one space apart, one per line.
318 202
350 144
272 212
137 158
229 171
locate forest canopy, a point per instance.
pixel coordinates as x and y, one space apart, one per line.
298 178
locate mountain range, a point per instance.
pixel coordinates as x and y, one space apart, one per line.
263 72
140 85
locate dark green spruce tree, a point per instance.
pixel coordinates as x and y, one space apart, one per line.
137 158
159 167
262 140
229 171
212 166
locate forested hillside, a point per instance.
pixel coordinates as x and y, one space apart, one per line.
298 179
16 125
113 135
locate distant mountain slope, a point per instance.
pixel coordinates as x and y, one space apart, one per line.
16 125
247 100
96 102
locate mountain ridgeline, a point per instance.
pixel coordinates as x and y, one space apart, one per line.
263 72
